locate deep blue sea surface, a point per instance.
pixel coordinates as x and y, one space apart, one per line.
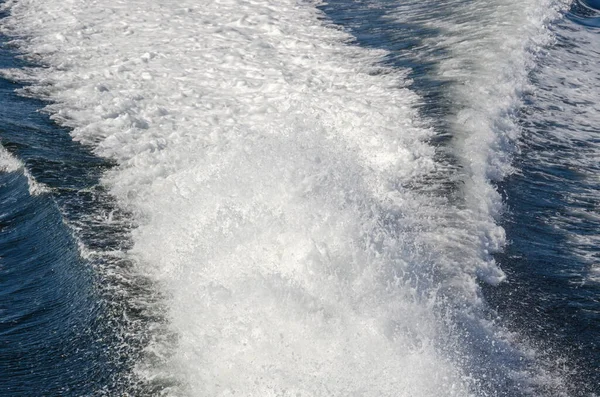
71 323
63 329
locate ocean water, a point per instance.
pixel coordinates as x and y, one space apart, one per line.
300 198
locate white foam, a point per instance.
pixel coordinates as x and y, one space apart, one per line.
9 163
269 167
484 51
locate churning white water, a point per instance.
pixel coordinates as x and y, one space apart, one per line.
273 171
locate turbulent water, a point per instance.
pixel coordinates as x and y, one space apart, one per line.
300 198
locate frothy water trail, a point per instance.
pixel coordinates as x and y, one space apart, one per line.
481 53
278 178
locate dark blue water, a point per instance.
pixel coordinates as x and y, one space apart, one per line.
553 222
586 13
74 324
63 328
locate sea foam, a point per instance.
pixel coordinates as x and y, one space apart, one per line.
272 168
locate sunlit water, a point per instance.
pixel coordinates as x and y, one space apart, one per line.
280 198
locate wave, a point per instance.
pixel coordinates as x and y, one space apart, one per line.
281 180
552 216
571 148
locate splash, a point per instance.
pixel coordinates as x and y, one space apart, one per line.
273 170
